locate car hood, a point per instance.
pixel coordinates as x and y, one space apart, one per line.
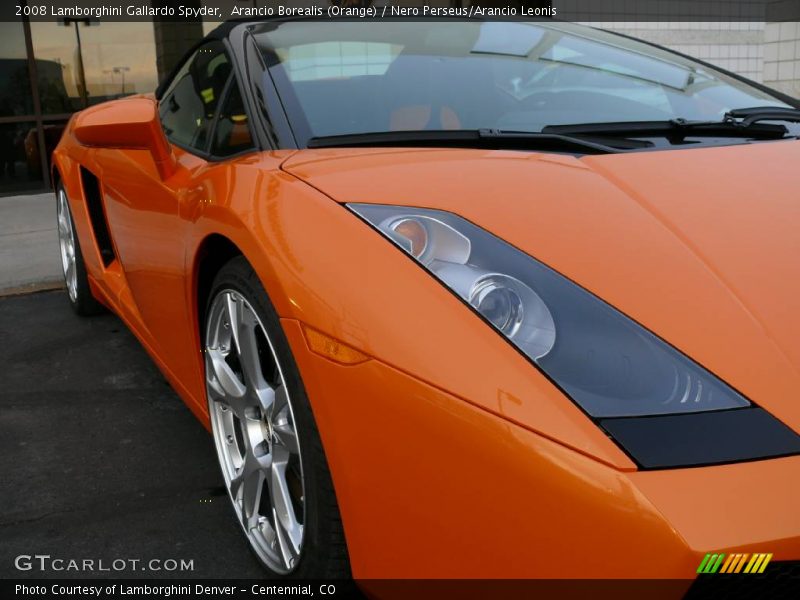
702 246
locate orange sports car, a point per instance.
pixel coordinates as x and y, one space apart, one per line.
462 299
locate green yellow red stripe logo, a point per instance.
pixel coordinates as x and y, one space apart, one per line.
738 562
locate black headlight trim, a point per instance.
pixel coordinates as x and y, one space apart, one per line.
702 438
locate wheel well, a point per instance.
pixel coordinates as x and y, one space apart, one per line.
215 251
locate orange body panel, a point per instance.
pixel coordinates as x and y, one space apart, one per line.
445 413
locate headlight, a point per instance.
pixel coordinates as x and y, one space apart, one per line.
608 364
506 302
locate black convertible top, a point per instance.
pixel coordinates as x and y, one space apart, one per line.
220 33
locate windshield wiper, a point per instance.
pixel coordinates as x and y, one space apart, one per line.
679 128
480 138
755 114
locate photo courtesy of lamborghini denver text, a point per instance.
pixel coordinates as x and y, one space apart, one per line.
461 298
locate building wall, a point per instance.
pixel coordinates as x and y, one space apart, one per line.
735 46
782 57
765 52
763 46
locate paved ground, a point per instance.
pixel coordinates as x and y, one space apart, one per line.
29 255
99 459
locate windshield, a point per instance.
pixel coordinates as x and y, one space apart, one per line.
340 78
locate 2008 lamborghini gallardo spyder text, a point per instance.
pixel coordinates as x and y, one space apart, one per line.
461 299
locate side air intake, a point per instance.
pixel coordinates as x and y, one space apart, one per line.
97 215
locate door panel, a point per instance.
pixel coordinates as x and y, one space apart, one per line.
144 216
145 213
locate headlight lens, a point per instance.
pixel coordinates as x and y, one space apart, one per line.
496 299
607 363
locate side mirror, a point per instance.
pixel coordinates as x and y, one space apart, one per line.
130 123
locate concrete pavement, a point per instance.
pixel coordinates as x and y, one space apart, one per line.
103 463
29 254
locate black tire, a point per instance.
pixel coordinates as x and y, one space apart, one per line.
324 550
82 302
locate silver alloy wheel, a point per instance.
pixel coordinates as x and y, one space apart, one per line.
66 241
254 431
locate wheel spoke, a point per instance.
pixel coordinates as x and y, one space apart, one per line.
265 396
285 547
233 318
253 486
290 532
247 342
280 403
215 390
238 406
283 426
66 216
64 261
246 471
227 379
70 275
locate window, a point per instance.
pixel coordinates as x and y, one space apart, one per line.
87 63
323 60
445 74
232 131
188 106
15 85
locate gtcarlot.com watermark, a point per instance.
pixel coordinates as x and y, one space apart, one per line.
46 562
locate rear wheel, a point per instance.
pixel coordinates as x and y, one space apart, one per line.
265 435
73 267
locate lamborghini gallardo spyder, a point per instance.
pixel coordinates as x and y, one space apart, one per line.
461 299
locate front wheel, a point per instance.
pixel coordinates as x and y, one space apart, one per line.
265 435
